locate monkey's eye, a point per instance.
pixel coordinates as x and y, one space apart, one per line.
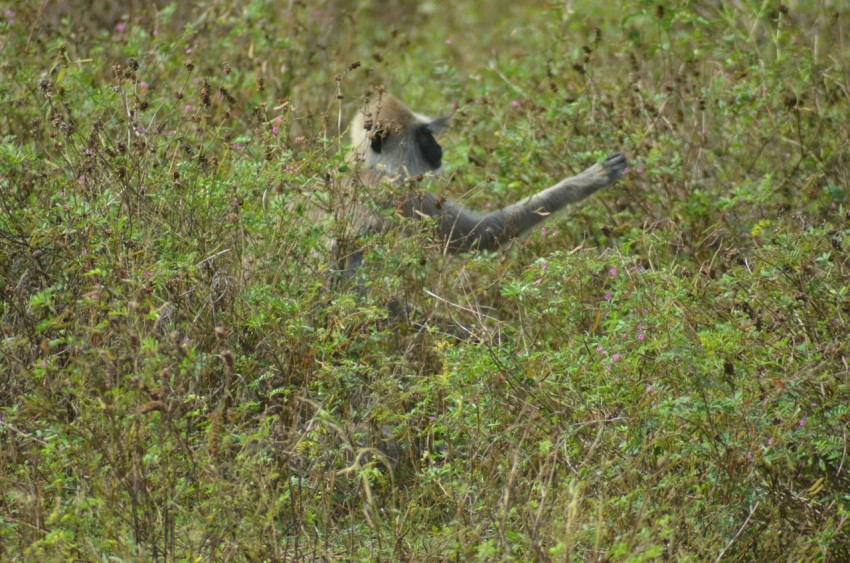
431 150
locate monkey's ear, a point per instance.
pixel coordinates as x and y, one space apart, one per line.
440 124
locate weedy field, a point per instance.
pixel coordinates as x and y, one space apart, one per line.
659 373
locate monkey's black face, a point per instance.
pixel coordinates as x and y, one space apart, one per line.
428 146
378 139
423 140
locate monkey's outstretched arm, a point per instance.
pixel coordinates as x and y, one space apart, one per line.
465 230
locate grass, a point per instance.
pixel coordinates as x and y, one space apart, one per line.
661 373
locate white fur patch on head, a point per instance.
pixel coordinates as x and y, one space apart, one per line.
389 139
357 131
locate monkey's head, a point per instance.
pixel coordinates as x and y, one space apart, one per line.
394 141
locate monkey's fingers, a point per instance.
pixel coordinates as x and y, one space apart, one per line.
615 166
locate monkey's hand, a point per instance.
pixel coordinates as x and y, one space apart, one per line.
571 190
610 169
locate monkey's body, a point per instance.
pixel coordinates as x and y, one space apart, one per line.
396 145
392 148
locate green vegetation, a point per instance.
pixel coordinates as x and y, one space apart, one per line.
661 373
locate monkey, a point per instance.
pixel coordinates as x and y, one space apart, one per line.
393 150
392 144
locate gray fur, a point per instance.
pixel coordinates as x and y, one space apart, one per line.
398 160
464 230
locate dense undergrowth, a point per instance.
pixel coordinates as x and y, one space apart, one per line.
661 372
